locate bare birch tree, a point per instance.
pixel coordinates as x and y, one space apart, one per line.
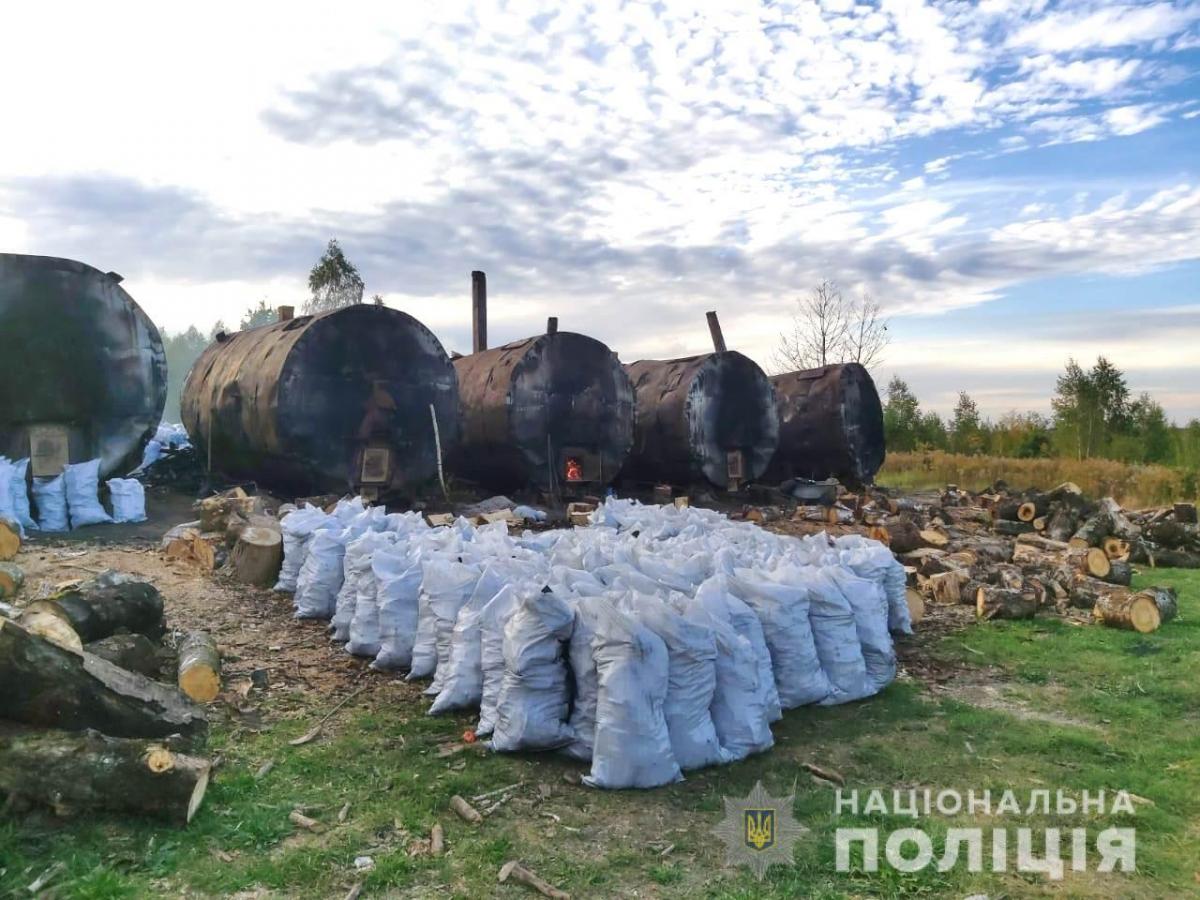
827 328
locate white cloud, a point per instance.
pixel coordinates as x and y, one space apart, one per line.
1107 26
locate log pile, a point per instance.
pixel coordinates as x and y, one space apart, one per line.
234 532
84 724
1016 555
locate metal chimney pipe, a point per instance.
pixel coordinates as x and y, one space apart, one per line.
714 328
478 312
552 325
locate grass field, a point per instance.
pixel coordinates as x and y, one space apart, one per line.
1133 486
1026 705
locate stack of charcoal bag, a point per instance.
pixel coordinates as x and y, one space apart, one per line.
656 641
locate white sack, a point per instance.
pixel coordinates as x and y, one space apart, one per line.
297 526
716 599
19 489
491 655
836 636
532 706
869 604
632 747
445 587
50 495
320 576
83 494
398 586
585 678
128 499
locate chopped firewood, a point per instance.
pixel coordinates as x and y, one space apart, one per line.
12 579
10 538
1002 603
88 692
257 556
437 840
465 810
190 546
86 771
824 774
514 871
1133 612
199 666
578 513
134 652
945 587
300 820
99 608
438 519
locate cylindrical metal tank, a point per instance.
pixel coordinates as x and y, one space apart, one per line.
830 425
332 402
708 417
546 411
82 369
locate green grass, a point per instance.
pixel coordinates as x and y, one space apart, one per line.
1082 708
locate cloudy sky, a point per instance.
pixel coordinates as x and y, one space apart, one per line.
1016 181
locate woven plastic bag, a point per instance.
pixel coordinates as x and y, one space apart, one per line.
83 494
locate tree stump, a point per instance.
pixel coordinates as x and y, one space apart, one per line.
96 611
12 579
1133 612
993 602
76 772
55 688
199 666
257 556
10 538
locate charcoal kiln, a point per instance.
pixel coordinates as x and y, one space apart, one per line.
710 417
330 402
830 425
82 369
553 411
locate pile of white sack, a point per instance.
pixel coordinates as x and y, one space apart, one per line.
166 436
655 641
68 500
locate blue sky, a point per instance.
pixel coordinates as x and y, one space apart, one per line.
1015 181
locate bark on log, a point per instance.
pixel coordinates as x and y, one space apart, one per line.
1001 603
1185 513
1035 506
1118 524
1166 559
1116 548
1119 572
75 772
1085 592
1174 535
134 652
55 688
199 666
1044 544
905 536
96 612
10 538
12 579
1012 529
1133 612
257 556
1007 576
1061 523
1094 529
945 588
1028 555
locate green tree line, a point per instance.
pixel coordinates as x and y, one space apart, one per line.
1092 415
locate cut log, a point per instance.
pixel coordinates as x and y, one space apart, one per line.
1185 513
55 688
935 538
191 547
945 588
1119 572
1007 576
1006 510
10 538
1133 612
199 666
12 579
1166 559
257 556
78 772
1039 524
1165 599
1032 509
1094 529
1085 592
134 652
1029 555
1090 561
1118 524
1001 603
1044 544
53 628
96 610
1115 548
1174 535
216 511
970 591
